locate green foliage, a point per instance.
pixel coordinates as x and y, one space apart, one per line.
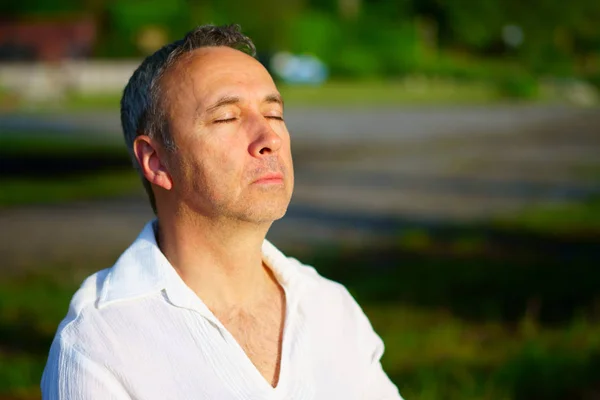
129 16
544 372
357 49
582 217
518 86
395 45
316 33
265 21
39 7
385 39
475 25
354 61
127 20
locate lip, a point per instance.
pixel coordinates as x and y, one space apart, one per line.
270 179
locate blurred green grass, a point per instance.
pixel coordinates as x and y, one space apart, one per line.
576 217
414 91
40 143
103 185
515 317
42 169
431 351
441 343
30 307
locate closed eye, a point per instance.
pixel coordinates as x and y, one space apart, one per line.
275 117
224 121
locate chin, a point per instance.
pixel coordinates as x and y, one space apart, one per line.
261 210
267 216
267 213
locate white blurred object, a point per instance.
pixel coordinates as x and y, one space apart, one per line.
48 81
299 69
512 35
581 93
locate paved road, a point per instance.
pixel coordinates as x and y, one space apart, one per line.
347 125
362 174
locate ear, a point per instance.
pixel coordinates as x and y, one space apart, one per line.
153 169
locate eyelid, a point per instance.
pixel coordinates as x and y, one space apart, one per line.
225 116
224 120
274 113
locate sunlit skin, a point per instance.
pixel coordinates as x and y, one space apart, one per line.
218 193
226 117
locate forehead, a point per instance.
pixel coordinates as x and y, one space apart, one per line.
210 73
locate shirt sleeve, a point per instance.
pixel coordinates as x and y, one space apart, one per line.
378 385
71 375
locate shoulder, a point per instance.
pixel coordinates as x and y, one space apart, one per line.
324 292
315 280
83 314
331 309
327 302
77 361
297 275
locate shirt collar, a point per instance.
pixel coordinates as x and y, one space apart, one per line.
143 270
139 271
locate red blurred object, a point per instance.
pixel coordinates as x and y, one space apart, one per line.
47 40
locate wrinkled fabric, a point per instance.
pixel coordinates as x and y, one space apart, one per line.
136 331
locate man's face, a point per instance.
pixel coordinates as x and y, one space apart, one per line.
233 155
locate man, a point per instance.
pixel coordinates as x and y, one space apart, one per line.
201 306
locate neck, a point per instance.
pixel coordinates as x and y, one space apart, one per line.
221 261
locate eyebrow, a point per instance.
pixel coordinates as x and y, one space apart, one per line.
274 98
228 100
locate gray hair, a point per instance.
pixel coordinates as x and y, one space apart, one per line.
142 108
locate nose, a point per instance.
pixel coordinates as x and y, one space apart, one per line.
266 140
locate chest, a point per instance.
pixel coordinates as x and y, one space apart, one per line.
191 359
259 333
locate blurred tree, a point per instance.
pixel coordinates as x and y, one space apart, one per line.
361 37
137 27
315 32
19 8
349 9
265 21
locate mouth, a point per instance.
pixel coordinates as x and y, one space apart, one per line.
270 179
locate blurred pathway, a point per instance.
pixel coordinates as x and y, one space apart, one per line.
361 175
334 124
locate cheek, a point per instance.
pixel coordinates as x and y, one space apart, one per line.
219 162
183 173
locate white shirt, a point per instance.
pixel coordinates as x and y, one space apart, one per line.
137 331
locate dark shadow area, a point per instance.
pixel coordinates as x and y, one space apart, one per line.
20 159
24 336
32 166
478 271
533 374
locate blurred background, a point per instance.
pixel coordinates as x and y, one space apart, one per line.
447 164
